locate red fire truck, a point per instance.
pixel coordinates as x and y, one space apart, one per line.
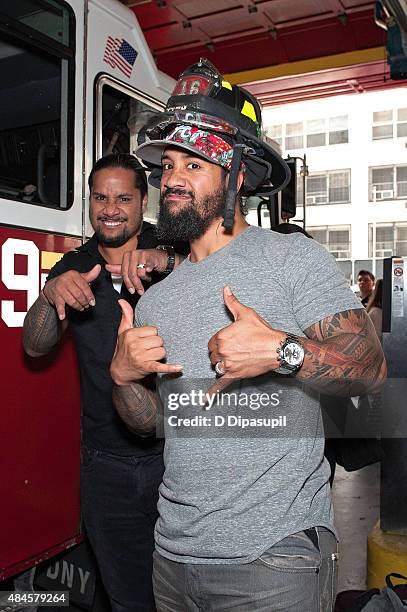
77 81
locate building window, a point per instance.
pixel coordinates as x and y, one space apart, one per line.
401 122
319 133
317 189
338 130
336 239
382 125
275 132
391 240
333 130
328 188
389 124
294 138
36 113
316 136
388 183
401 181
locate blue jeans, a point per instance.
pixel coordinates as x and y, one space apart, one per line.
298 574
119 509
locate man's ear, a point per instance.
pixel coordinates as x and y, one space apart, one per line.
144 203
240 179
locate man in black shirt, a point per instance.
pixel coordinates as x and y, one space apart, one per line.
120 471
366 281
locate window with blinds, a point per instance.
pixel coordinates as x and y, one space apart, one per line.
387 183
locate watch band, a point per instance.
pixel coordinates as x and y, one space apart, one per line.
170 257
286 368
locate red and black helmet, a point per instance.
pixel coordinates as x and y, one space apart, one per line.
205 106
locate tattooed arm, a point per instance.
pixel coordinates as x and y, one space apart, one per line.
342 352
42 328
343 355
138 355
45 322
138 407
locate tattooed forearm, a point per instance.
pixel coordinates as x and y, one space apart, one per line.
42 328
137 406
343 355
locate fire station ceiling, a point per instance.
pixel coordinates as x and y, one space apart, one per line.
282 50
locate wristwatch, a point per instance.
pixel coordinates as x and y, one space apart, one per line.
290 355
170 257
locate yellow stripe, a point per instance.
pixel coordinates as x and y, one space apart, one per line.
248 110
49 259
312 65
227 85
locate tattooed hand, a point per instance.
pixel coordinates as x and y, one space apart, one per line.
71 288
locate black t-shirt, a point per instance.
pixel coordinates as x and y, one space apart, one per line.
95 334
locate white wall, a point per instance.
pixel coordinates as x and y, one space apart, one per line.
359 154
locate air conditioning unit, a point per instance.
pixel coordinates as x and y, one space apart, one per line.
382 253
384 194
340 254
316 199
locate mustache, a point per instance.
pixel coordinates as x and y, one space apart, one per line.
106 218
177 191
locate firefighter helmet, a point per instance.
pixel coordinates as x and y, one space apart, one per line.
220 122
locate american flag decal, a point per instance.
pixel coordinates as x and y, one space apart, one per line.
119 54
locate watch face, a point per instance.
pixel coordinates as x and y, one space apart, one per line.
293 354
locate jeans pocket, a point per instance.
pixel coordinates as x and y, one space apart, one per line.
294 553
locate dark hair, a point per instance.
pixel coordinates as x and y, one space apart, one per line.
376 297
366 273
290 228
126 162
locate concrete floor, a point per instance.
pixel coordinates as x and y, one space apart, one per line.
356 506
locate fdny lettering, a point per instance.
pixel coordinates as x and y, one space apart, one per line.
64 572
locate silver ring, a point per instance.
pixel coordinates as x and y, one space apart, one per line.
141 266
219 368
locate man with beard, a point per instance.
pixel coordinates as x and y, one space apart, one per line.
245 520
120 472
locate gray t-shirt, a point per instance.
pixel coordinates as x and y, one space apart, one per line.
229 493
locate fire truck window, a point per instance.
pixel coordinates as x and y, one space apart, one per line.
115 114
35 156
47 17
123 116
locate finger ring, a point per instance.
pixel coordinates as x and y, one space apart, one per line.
141 266
220 368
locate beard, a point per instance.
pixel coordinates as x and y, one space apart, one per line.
114 241
192 221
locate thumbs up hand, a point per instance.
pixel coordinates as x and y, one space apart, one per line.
248 346
127 317
139 351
